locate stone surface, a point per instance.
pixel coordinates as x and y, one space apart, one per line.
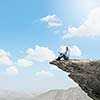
84 72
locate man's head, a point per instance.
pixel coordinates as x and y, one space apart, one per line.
66 48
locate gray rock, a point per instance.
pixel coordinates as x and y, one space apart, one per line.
84 72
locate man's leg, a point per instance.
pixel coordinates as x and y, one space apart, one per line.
59 58
66 58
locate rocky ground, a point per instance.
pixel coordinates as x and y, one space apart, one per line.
84 72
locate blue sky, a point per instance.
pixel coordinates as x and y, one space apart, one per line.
33 31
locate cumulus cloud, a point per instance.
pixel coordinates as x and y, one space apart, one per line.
12 70
52 21
44 74
36 54
97 1
74 50
24 63
55 68
5 57
89 28
40 53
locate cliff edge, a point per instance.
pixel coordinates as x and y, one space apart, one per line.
86 73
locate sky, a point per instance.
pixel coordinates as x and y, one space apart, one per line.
32 32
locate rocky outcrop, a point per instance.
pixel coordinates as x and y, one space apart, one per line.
84 72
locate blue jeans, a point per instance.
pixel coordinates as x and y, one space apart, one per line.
63 56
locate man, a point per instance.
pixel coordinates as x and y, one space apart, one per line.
64 55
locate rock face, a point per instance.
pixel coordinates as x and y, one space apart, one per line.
60 94
84 72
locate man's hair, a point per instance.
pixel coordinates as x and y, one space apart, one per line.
66 47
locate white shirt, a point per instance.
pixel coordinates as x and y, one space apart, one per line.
67 53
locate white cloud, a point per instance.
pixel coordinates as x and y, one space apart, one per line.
5 57
12 70
24 63
52 20
90 27
97 1
74 50
40 54
44 74
55 68
36 54
57 32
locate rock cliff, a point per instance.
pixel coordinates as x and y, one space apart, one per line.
84 72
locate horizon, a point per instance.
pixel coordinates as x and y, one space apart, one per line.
32 33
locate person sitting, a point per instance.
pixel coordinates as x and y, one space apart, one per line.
64 55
